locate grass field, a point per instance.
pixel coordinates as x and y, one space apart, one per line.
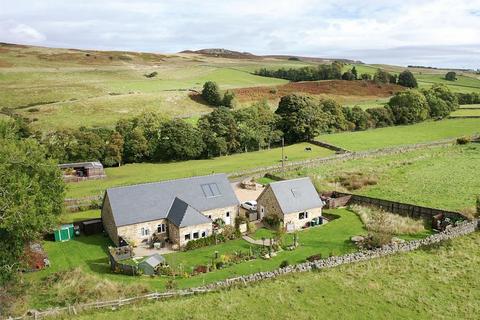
437 283
441 177
148 172
69 217
466 112
403 135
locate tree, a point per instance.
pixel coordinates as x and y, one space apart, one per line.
408 107
211 93
381 117
451 76
221 124
348 76
406 79
135 148
392 78
301 119
180 141
381 76
32 199
358 117
441 101
114 150
334 117
366 76
354 72
228 100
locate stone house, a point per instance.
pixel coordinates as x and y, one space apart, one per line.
295 202
176 211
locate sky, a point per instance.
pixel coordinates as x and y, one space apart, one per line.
441 33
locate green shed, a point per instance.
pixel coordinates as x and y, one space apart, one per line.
64 233
149 265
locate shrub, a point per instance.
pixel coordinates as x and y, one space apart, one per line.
376 220
314 257
377 239
451 76
200 269
356 180
204 242
272 221
463 140
251 228
171 284
229 232
406 79
284 264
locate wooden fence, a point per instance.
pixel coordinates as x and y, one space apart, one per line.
400 208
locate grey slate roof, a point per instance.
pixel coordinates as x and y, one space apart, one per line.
182 214
152 201
154 260
296 195
92 164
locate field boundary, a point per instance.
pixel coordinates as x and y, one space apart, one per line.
459 230
463 117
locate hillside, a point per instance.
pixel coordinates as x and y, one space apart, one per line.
68 88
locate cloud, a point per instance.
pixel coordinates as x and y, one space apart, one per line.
19 32
334 28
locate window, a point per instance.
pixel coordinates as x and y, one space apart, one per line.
210 216
303 215
187 236
195 235
211 190
227 214
162 228
204 234
144 232
262 209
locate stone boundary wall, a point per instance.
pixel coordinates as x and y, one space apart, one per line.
329 146
463 117
343 156
404 209
461 229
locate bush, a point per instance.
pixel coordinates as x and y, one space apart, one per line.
272 221
377 240
171 285
406 79
229 232
356 180
463 140
251 228
204 242
314 257
284 264
451 76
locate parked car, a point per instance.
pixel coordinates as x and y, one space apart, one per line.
250 205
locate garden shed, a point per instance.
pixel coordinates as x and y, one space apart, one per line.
64 233
149 265
79 171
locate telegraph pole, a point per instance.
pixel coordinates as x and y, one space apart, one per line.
283 156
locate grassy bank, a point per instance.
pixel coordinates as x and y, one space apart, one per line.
403 135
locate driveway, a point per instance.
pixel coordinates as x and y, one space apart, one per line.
245 194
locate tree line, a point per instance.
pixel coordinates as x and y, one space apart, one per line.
151 137
334 71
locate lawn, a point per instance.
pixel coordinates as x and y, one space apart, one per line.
403 135
466 112
441 177
436 283
69 217
148 172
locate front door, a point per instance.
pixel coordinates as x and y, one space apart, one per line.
228 219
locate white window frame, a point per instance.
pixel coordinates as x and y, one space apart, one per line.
162 227
145 231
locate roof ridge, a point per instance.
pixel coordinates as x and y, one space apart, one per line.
289 180
165 181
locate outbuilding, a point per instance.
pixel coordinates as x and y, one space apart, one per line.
64 233
149 265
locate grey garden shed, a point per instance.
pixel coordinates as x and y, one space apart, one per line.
148 265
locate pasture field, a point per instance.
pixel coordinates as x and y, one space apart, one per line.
466 112
441 177
431 283
403 135
149 172
470 106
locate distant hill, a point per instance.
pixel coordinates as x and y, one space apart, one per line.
224 53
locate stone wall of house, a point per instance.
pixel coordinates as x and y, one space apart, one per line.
268 202
293 218
191 230
462 229
133 232
108 221
221 213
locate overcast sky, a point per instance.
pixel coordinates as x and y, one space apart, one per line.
436 33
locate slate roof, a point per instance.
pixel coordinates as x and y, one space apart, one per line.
153 201
182 214
154 260
93 164
296 195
